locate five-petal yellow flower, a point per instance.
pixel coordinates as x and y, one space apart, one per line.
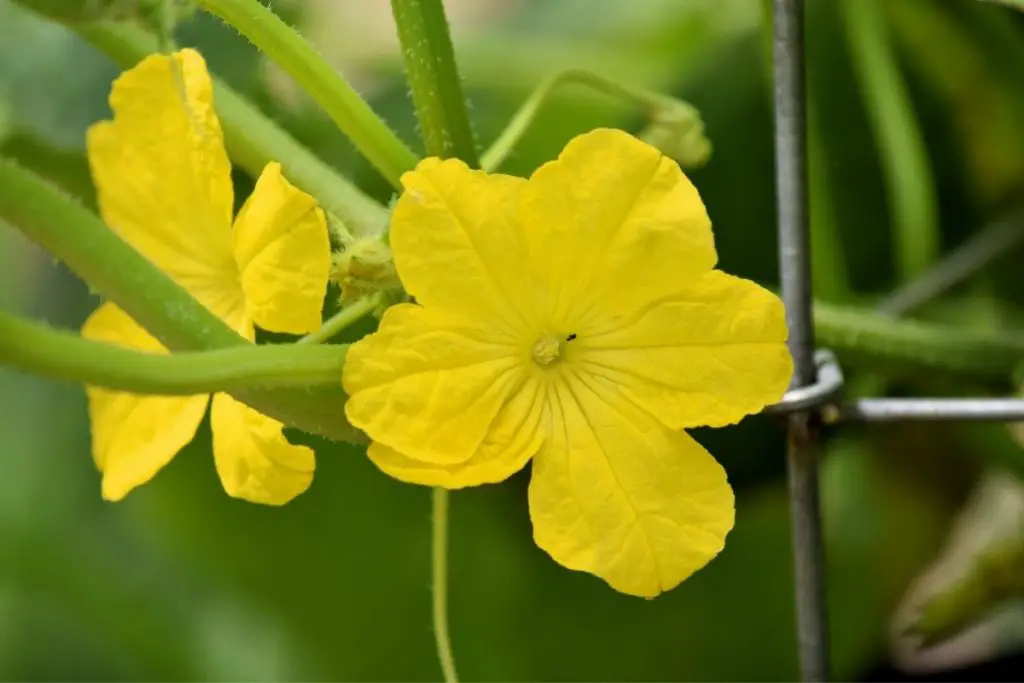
164 185
574 318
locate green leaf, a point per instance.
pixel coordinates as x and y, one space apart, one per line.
980 569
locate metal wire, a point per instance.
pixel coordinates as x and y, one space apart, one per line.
934 409
795 274
810 395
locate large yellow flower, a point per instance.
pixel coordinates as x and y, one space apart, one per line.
164 185
574 318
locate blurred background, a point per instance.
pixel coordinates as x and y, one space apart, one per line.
916 136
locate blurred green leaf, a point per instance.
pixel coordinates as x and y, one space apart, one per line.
981 567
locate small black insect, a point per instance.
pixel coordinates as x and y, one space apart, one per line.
570 337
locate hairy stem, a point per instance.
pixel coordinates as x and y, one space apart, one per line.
58 354
434 79
367 131
112 268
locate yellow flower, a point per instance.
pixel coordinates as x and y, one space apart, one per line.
574 318
164 185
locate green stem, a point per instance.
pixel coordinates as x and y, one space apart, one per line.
370 135
650 101
879 340
108 264
904 158
434 79
964 262
342 319
439 556
252 139
112 268
61 355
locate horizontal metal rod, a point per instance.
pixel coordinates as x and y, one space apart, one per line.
933 410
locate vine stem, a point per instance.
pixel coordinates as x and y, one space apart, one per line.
434 80
111 267
446 132
439 556
62 355
367 131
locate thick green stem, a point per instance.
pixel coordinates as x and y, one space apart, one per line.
370 135
57 354
434 79
878 340
653 103
905 165
112 268
252 139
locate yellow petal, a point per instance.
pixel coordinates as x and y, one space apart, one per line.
283 254
134 436
617 494
456 244
709 356
513 438
254 460
613 225
429 386
163 178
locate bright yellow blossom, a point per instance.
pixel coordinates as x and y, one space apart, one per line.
164 185
574 318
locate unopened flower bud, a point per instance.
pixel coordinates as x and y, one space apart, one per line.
364 267
678 131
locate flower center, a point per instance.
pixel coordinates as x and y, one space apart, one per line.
547 349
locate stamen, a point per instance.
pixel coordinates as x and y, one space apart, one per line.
547 349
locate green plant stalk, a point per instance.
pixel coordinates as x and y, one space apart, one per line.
62 355
112 268
370 135
252 139
880 340
527 112
908 176
439 575
444 125
342 319
434 79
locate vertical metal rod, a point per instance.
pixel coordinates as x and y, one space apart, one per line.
795 273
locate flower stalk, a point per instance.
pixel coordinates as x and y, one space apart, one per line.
439 574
